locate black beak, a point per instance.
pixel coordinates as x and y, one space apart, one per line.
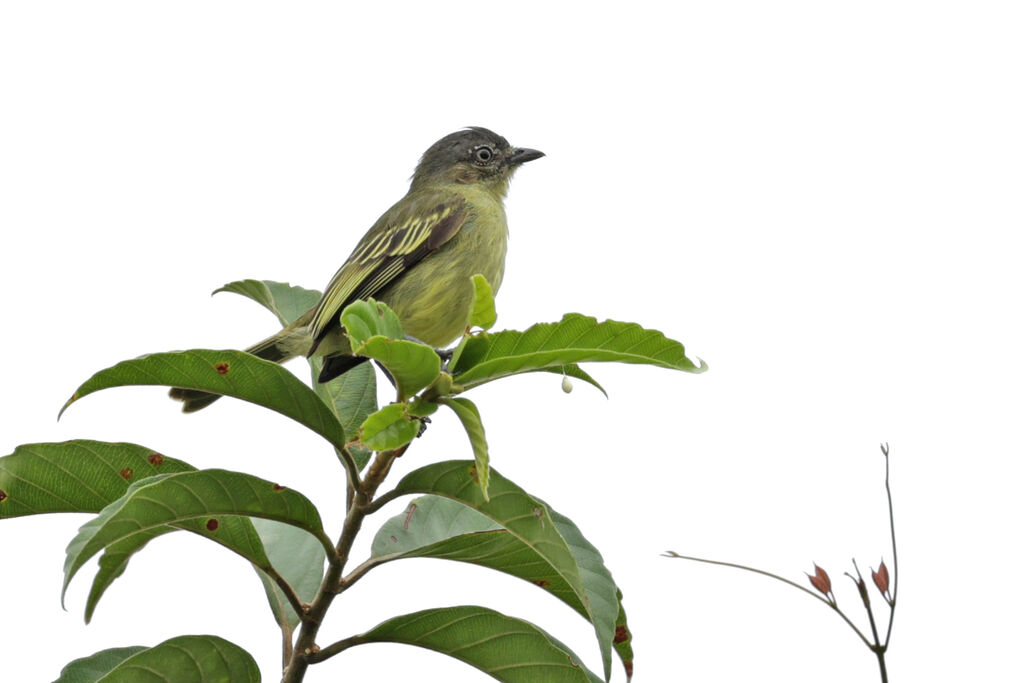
521 155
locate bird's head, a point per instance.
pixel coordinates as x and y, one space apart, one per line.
473 155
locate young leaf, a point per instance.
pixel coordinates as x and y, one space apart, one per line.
389 428
484 315
447 529
231 373
505 648
526 518
97 665
186 659
365 319
203 497
468 414
285 301
412 366
375 332
574 339
75 476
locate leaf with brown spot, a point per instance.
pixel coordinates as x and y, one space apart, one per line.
251 379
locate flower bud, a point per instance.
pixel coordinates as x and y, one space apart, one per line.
881 578
566 384
820 580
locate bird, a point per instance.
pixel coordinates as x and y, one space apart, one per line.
419 257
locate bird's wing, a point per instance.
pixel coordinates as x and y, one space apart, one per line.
399 240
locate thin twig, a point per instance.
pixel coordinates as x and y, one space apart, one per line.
335 648
671 553
382 500
892 534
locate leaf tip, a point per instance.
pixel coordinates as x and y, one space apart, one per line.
74 397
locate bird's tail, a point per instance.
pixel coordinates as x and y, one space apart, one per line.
272 348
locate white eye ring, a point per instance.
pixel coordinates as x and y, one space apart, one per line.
483 154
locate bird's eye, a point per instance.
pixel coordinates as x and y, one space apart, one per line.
483 154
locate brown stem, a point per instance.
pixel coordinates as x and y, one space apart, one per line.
895 564
306 650
881 665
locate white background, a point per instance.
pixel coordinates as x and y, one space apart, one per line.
821 200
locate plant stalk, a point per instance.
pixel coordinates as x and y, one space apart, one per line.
333 583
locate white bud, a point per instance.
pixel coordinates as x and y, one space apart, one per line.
566 384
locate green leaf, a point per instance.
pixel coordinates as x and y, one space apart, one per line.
470 418
412 365
505 648
197 500
389 428
447 529
75 476
376 333
92 668
421 408
114 561
484 315
296 556
525 517
187 659
231 373
365 319
285 301
602 602
353 395
575 339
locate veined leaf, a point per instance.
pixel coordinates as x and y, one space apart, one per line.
574 339
185 659
287 302
389 428
97 665
469 415
231 373
446 529
201 497
412 365
365 319
525 517
353 395
505 648
75 476
375 332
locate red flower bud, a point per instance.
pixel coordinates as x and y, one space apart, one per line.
820 580
881 578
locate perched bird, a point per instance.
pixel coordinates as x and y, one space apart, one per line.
418 258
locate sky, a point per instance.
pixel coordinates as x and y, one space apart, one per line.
820 200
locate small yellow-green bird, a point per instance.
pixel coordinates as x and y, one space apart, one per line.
418 258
